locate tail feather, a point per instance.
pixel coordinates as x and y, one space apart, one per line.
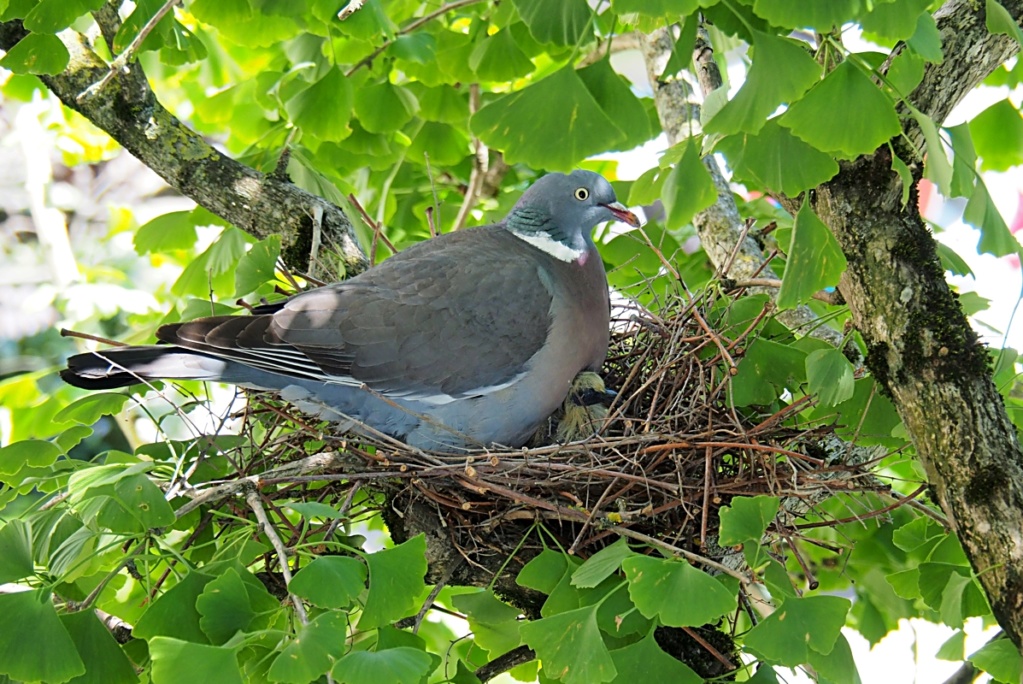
113 368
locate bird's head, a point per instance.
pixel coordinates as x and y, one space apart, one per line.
558 212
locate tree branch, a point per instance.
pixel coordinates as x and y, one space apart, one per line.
127 109
503 663
922 349
971 54
721 229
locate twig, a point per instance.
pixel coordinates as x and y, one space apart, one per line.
428 603
718 655
412 26
317 462
732 369
689 555
256 504
378 233
866 516
480 165
834 298
121 61
348 10
430 223
64 332
708 477
513 658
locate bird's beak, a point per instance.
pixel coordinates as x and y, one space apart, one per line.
623 214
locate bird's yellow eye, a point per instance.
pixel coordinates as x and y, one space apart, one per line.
582 194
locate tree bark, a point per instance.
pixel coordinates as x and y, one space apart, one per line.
922 349
262 205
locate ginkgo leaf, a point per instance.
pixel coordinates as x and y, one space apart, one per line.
324 108
815 259
562 23
822 15
567 124
845 114
777 160
782 71
688 188
799 626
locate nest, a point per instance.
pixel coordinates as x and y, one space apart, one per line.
672 453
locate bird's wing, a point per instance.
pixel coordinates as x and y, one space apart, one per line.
421 325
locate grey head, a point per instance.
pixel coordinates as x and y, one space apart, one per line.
562 209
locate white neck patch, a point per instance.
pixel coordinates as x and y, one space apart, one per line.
545 243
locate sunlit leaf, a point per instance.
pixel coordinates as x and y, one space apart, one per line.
964 161
174 230
838 665
316 648
981 213
51 16
646 661
1000 659
998 20
230 604
499 58
601 565
568 125
324 108
894 20
561 23
782 70
846 131
15 551
822 15
173 614
92 407
32 452
183 662
688 188
926 41
615 98
37 53
105 660
777 160
659 8
997 134
767 368
36 646
815 259
257 266
383 107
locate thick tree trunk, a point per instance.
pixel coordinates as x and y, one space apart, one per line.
921 346
923 351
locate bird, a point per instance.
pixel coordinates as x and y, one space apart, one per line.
462 342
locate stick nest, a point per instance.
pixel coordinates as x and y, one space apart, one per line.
672 453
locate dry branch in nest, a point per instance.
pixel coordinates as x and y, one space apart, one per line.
672 453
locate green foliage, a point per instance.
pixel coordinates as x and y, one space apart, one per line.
388 106
815 260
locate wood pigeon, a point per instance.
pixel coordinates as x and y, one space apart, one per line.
469 339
